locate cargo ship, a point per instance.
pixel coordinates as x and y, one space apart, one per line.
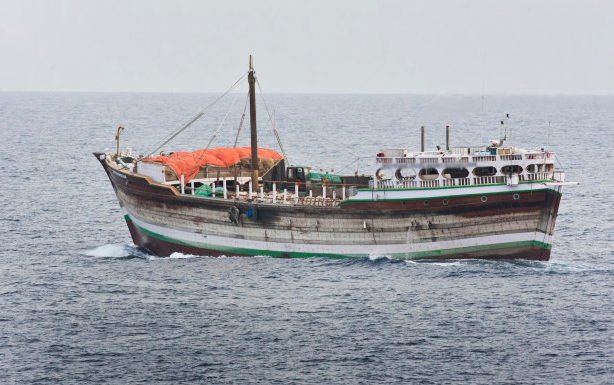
495 202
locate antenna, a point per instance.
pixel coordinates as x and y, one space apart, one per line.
501 132
548 140
483 83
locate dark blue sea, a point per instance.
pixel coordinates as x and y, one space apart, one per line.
79 303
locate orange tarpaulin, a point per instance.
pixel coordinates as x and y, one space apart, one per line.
189 162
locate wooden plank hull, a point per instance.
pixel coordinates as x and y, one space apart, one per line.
510 222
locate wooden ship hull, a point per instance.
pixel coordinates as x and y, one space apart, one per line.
496 221
496 201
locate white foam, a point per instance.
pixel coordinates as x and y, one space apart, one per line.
375 257
110 251
457 263
119 251
178 255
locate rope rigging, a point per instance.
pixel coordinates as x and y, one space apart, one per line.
196 117
281 148
214 135
241 123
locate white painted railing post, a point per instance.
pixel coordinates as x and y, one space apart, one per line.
182 184
285 194
310 193
250 191
333 194
324 192
274 192
237 188
262 193
296 193
343 193
192 186
214 189
224 185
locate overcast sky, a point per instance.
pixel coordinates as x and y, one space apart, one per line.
312 46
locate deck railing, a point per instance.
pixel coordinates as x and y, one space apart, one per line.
332 200
540 176
510 157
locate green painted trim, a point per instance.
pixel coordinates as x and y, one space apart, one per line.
431 188
407 255
536 181
445 196
451 187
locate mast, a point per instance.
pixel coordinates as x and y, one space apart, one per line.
251 77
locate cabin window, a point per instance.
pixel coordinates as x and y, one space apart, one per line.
507 170
405 174
533 168
549 167
455 173
484 171
290 174
429 173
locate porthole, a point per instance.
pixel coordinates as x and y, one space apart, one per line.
516 197
403 203
445 202
484 199
426 203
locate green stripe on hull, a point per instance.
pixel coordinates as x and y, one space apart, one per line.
284 254
443 196
453 187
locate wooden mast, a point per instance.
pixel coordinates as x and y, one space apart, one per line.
251 77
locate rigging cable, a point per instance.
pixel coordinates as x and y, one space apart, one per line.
214 135
272 122
197 116
241 123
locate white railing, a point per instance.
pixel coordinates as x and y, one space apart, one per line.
430 183
409 184
485 158
539 155
429 160
540 176
450 159
510 157
457 182
489 180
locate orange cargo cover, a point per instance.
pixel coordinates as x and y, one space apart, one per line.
190 162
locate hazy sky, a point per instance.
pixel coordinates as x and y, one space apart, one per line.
310 46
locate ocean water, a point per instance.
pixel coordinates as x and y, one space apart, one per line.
80 304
